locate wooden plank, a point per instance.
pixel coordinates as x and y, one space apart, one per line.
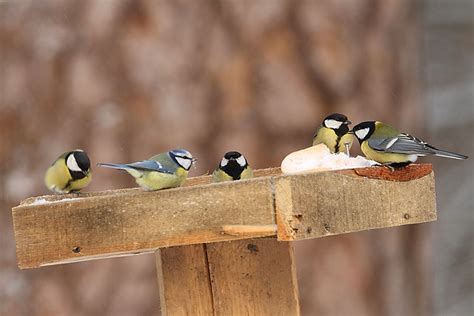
184 281
253 277
244 277
193 181
121 224
125 222
329 203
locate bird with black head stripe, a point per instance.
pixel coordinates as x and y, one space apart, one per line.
388 146
233 166
334 133
70 172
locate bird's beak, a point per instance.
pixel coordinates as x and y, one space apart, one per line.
347 122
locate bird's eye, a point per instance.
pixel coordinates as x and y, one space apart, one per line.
184 157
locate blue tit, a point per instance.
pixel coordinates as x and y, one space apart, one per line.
388 146
70 172
334 133
233 166
163 171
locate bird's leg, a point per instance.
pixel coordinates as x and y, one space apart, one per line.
385 165
347 149
389 166
77 194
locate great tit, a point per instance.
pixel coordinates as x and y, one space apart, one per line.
163 171
70 172
233 166
334 133
388 146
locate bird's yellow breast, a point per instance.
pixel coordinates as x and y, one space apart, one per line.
152 180
347 138
247 173
220 176
328 137
58 179
381 156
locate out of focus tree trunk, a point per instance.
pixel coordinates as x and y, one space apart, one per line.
127 79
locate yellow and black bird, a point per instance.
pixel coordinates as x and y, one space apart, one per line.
233 166
70 172
386 145
334 133
162 171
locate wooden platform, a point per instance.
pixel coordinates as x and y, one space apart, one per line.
70 228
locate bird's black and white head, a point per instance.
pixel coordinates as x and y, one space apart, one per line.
233 163
183 158
337 122
364 130
78 163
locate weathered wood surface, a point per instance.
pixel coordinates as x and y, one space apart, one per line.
339 203
184 281
244 277
137 222
194 181
131 221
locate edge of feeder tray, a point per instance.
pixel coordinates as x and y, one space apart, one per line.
76 227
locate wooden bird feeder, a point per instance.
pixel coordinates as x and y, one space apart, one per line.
222 249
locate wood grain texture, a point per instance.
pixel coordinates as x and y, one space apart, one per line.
244 277
329 203
123 224
192 181
253 277
184 281
89 226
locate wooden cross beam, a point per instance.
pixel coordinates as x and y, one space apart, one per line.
210 262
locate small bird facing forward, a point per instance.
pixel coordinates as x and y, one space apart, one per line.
233 166
334 133
70 172
163 171
388 146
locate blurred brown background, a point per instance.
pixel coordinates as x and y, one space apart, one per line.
127 79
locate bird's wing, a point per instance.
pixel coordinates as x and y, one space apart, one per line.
402 144
150 165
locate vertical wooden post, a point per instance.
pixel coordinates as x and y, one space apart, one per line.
183 280
244 277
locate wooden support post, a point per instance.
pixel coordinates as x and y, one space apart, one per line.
244 277
184 281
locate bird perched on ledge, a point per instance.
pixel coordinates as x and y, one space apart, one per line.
163 171
70 172
233 166
388 146
334 133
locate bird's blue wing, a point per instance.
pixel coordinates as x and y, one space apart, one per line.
150 165
401 144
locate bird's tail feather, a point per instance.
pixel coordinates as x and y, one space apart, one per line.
449 154
114 166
